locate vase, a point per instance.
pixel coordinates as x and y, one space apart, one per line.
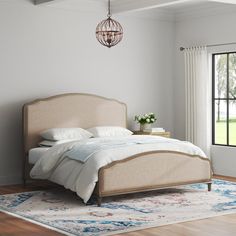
145 127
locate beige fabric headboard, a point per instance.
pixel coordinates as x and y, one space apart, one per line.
70 110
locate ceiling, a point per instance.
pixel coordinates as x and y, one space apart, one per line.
186 6
169 9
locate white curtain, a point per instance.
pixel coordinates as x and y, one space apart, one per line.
198 103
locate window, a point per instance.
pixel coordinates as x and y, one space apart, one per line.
224 99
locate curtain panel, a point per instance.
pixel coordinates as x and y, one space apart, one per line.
197 96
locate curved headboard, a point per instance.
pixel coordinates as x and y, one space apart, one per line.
70 110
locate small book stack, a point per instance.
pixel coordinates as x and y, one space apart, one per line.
155 130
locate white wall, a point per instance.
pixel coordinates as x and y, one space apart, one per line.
46 51
203 31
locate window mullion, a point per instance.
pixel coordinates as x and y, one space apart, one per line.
213 99
227 99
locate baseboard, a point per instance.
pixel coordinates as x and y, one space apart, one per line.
9 180
224 177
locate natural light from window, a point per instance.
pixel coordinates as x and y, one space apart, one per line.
224 99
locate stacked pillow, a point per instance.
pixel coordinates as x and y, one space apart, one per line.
109 131
56 136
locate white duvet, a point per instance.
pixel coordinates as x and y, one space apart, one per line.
81 178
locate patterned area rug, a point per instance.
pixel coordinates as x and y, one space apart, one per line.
64 212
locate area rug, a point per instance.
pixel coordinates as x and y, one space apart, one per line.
64 212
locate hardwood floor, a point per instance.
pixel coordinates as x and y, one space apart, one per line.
217 226
12 226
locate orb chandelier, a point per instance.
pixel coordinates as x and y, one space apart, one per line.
109 32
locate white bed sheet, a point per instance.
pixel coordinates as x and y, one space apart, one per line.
36 153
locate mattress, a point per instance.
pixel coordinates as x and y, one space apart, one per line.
36 153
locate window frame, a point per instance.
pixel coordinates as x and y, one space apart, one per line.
227 99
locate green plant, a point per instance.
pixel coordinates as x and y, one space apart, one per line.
149 118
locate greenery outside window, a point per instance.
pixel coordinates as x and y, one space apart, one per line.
224 99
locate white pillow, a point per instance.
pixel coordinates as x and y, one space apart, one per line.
109 131
49 143
57 134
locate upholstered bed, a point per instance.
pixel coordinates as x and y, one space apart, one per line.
145 171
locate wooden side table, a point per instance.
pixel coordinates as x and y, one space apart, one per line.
162 134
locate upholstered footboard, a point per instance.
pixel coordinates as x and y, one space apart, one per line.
151 171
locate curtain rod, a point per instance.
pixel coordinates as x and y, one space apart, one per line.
211 45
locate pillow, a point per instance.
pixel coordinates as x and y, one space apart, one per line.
109 131
49 143
58 134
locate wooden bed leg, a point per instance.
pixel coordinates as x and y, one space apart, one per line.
209 186
99 201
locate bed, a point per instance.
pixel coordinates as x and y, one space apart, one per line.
146 171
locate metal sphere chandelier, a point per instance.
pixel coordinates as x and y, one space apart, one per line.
109 32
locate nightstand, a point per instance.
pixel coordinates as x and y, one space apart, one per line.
163 134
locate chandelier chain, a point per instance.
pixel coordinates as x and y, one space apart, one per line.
109 8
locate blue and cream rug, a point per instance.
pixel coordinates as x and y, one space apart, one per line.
64 212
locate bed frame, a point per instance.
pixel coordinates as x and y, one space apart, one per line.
143 172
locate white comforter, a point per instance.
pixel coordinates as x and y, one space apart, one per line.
82 177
